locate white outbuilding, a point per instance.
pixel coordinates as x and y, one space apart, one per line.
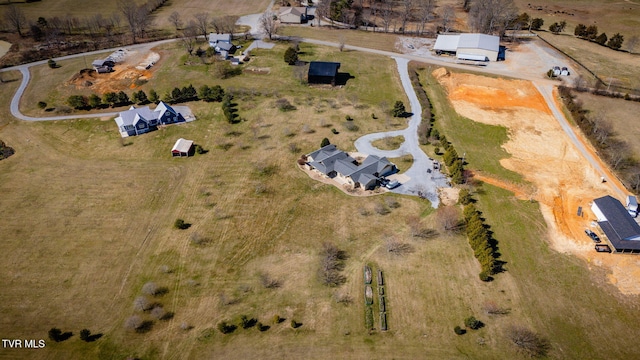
478 47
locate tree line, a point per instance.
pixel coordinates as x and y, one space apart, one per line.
482 242
600 133
115 99
591 33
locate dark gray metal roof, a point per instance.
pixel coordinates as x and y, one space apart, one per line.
621 229
323 68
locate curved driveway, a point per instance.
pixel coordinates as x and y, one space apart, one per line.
423 177
420 179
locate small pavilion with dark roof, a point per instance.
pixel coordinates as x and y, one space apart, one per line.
622 231
323 72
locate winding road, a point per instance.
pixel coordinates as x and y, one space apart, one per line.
420 179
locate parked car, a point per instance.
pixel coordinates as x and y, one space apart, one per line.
592 235
564 71
392 184
603 248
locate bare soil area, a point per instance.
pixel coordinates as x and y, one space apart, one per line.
129 74
562 179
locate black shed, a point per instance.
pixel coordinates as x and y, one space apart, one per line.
322 72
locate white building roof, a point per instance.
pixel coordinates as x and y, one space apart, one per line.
479 41
447 42
182 145
467 41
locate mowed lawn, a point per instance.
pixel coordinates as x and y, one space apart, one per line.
88 221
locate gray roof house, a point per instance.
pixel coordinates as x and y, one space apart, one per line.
137 121
335 163
621 229
222 44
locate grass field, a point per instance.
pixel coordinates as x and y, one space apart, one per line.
87 222
377 41
610 16
619 67
389 143
617 112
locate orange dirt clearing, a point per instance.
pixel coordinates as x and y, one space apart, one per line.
561 178
126 75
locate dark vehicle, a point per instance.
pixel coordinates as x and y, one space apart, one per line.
603 248
592 235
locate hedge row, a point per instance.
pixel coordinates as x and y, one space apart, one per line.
483 245
455 165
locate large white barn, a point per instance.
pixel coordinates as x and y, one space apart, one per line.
478 47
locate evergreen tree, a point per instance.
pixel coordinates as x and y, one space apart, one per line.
153 96
601 39
616 41
94 101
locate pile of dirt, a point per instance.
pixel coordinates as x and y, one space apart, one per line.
562 179
129 74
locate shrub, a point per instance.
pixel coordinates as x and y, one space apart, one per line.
77 102
458 330
325 142
52 64
284 105
349 125
55 334
398 109
226 328
484 276
85 335
464 197
348 118
246 322
291 56
134 322
42 104
180 224
277 319
295 324
335 131
473 323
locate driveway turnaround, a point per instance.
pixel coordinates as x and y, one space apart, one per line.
425 179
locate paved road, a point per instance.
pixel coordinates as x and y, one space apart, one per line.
423 177
26 77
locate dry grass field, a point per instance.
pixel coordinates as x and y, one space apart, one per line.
186 8
379 41
610 16
619 113
87 222
619 67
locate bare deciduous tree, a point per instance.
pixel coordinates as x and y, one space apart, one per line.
224 24
174 18
268 281
202 23
491 16
158 312
448 218
188 37
527 341
397 247
150 288
447 17
424 13
267 24
133 322
386 13
405 15
632 43
15 17
141 303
